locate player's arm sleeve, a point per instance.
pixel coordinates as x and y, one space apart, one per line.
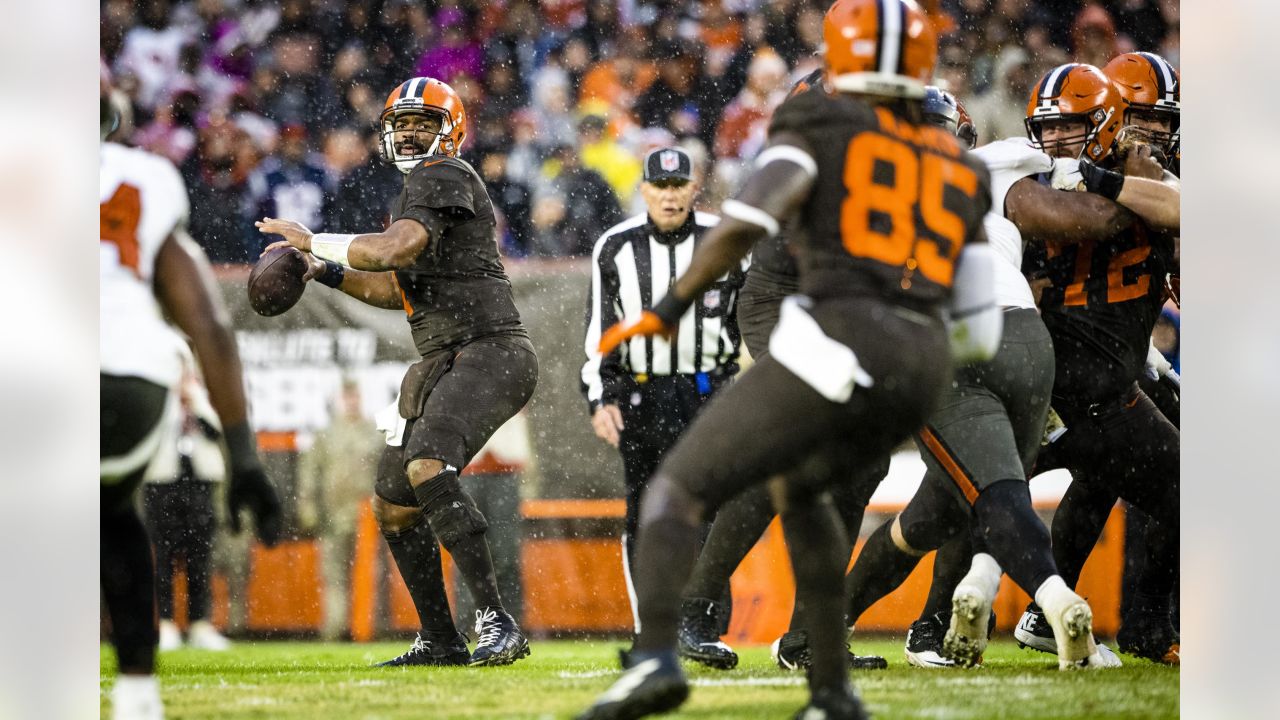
975 320
779 184
602 375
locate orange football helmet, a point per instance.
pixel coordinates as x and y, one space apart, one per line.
879 47
424 95
1076 91
1149 84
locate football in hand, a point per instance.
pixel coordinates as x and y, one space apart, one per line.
276 283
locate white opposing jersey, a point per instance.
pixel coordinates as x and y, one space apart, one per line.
142 200
1009 161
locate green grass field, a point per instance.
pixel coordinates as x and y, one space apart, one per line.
332 680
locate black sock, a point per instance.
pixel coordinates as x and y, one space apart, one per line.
1005 523
128 587
665 555
418 558
950 565
880 568
817 544
737 528
471 554
1160 567
1077 525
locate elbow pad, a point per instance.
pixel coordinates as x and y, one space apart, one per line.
974 318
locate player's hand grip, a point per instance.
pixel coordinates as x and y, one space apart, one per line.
648 324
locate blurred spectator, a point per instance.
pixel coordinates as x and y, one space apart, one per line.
290 185
553 108
150 53
1093 36
572 207
618 166
745 123
512 199
362 192
524 162
173 131
681 99
1167 337
455 52
216 179
300 93
179 505
335 480
999 112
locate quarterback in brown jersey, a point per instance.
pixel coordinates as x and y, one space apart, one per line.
438 262
891 210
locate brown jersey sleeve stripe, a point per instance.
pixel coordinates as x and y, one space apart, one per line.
950 464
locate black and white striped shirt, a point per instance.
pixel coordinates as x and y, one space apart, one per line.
632 267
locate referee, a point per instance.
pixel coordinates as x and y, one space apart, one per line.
643 395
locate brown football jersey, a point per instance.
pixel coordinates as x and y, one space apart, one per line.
457 289
892 206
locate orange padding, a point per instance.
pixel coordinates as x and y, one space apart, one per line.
576 584
281 441
573 509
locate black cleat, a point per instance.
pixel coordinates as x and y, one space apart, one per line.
1035 632
830 704
652 683
791 652
699 637
499 640
1150 636
435 651
924 643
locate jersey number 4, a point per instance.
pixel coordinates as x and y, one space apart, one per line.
119 217
918 182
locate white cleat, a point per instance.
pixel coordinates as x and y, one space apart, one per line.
966 639
1073 630
136 697
170 636
204 636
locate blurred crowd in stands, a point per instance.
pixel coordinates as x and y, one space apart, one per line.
270 107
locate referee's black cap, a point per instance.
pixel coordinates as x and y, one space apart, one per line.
668 163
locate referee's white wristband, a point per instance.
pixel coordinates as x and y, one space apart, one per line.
331 246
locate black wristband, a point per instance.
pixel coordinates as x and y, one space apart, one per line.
242 447
333 274
1100 181
670 309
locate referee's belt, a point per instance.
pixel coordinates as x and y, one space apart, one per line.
704 381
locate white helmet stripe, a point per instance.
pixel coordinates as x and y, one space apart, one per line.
891 35
1166 73
415 85
1051 82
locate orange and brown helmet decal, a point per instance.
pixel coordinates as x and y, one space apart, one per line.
1077 90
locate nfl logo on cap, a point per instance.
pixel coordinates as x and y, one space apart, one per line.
670 160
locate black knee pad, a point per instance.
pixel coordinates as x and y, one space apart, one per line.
451 512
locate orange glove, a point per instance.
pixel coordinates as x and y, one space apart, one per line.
648 324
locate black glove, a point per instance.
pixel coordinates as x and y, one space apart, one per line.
249 487
1100 181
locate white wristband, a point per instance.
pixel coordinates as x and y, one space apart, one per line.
331 246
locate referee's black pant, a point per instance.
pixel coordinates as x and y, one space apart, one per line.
655 413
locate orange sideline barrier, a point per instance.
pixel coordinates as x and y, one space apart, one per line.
576 584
